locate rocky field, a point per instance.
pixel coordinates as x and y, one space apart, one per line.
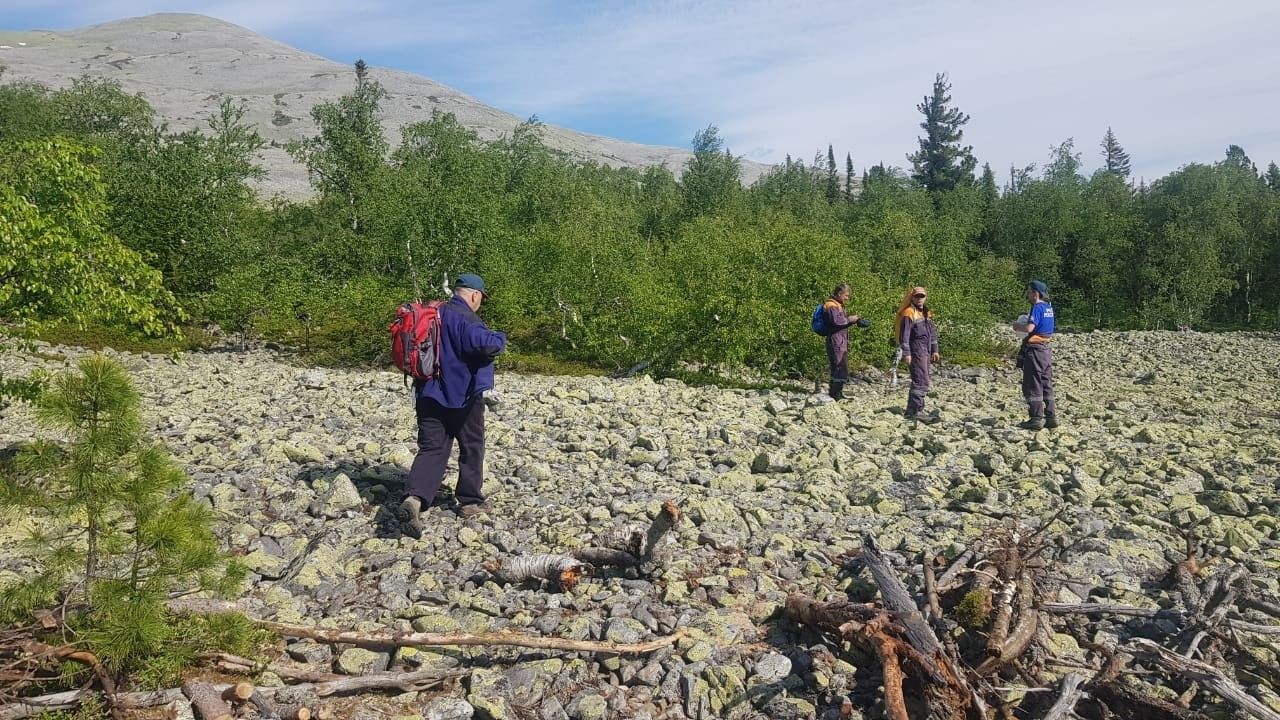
1161 432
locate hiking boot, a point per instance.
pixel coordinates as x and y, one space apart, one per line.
1051 422
410 515
1032 424
930 418
473 510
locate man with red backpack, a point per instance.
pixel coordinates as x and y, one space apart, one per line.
450 405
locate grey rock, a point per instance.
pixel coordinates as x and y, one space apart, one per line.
313 380
490 693
358 661
589 707
448 709
770 462
308 651
773 667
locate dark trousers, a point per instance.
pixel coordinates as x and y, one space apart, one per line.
438 427
1037 380
838 363
919 382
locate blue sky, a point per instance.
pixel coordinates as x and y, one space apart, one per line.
1178 80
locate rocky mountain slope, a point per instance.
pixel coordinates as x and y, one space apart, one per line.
185 64
1161 431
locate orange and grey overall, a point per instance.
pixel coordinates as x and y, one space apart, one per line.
918 338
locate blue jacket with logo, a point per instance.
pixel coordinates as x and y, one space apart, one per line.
1041 316
467 350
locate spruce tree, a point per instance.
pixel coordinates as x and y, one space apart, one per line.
942 162
990 196
833 177
1273 178
849 176
116 533
1115 160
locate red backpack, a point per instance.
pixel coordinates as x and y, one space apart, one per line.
415 339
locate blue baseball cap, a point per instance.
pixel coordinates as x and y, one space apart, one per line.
471 281
1039 287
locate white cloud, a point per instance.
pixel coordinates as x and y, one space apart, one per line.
1178 80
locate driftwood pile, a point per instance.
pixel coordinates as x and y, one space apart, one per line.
973 637
976 640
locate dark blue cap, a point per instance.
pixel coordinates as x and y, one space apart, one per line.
472 281
1039 287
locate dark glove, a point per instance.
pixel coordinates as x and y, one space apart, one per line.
864 323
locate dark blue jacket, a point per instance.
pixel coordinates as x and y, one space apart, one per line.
467 350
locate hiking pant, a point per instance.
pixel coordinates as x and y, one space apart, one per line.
919 382
838 362
1037 380
438 427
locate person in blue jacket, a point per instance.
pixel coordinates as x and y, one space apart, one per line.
451 407
1035 357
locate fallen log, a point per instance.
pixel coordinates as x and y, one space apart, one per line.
294 712
606 557
1015 579
1205 674
383 640
948 694
1129 611
33 706
1128 703
84 657
631 546
931 589
238 693
266 709
416 681
667 519
900 637
898 601
886 647
207 700
563 570
234 664
863 624
950 578
1071 693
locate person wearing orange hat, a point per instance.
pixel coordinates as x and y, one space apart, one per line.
918 343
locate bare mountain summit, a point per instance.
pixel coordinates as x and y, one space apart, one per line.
185 64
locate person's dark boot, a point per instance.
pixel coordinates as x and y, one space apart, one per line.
836 391
410 515
1051 422
1032 424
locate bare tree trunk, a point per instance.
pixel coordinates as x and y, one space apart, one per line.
207 700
